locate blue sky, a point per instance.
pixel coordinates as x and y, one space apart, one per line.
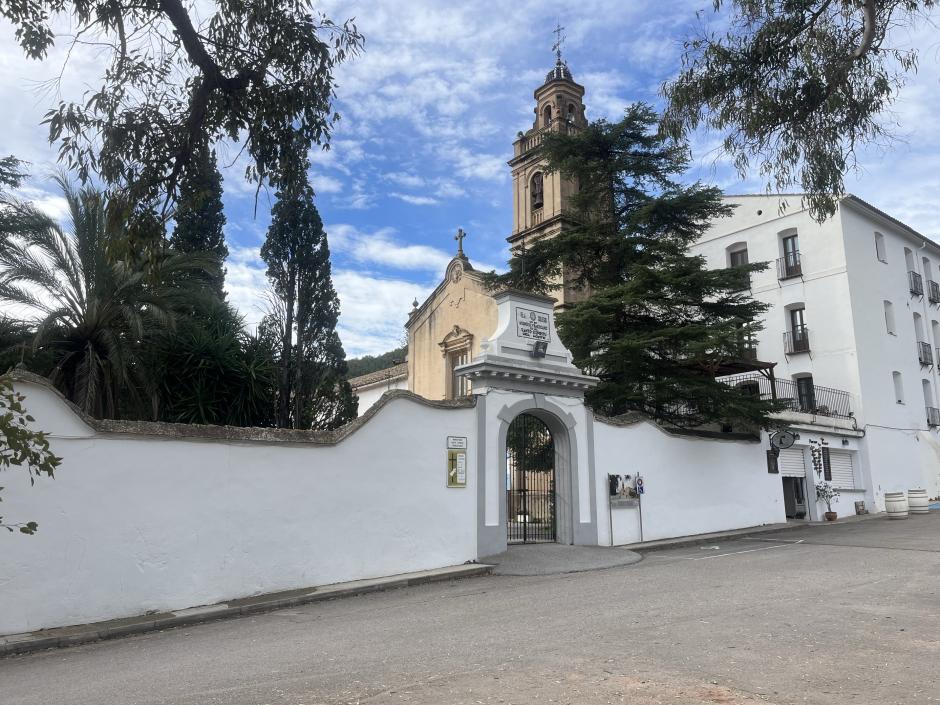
429 112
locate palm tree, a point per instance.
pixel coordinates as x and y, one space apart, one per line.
93 299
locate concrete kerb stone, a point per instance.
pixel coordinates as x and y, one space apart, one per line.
698 539
113 629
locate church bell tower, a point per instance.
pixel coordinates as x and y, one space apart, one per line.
541 197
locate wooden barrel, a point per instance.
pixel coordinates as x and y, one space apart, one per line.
896 505
917 500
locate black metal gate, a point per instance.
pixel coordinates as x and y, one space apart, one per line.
530 481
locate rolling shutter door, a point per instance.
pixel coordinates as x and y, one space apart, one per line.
843 475
790 463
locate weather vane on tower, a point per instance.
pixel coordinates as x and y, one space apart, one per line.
559 40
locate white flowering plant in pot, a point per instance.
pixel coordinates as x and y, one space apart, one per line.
828 494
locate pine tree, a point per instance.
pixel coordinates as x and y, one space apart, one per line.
656 326
312 364
200 218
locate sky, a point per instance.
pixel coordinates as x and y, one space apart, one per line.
429 111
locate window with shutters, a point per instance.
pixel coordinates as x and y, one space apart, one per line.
880 251
790 462
842 468
827 464
889 318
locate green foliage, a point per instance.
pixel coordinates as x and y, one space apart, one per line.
312 390
210 371
656 325
255 71
20 446
11 172
795 86
96 296
199 216
370 363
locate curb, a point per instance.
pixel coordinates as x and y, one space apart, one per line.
61 637
650 546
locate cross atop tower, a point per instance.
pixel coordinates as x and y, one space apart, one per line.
559 40
459 238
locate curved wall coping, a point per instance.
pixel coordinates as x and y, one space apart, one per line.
237 434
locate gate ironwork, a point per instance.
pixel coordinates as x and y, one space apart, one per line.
530 481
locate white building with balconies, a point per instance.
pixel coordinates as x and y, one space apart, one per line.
854 329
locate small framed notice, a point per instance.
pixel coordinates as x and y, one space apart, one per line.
457 468
456 442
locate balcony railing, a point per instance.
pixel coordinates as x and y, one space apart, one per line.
924 354
916 283
796 340
933 416
790 266
933 291
805 398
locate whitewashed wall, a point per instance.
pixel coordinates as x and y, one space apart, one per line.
693 485
137 522
370 394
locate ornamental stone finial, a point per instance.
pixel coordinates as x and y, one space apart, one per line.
459 238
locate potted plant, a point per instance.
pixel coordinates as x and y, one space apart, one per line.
828 494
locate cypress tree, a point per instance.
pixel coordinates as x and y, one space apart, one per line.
312 391
656 325
200 218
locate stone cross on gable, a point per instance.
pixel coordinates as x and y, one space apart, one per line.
459 238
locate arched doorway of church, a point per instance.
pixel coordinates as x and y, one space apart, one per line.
530 482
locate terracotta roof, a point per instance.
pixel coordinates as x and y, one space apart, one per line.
387 374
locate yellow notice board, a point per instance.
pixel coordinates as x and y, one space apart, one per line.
456 461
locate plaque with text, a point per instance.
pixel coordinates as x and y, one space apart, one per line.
457 468
533 325
457 442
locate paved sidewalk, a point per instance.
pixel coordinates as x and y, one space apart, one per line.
84 633
557 559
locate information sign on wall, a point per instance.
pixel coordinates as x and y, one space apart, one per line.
532 324
456 461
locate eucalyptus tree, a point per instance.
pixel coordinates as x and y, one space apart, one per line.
92 299
175 74
796 86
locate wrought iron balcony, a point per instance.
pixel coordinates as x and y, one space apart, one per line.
796 340
924 354
804 398
933 416
916 283
790 266
933 291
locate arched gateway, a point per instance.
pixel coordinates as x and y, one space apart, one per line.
530 481
535 467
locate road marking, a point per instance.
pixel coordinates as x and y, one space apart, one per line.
748 538
748 550
730 553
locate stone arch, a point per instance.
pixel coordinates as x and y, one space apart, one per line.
561 424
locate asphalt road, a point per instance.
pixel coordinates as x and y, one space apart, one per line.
833 614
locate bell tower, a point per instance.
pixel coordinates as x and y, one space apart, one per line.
541 197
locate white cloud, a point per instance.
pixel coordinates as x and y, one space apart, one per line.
405 179
326 184
381 248
413 199
373 309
